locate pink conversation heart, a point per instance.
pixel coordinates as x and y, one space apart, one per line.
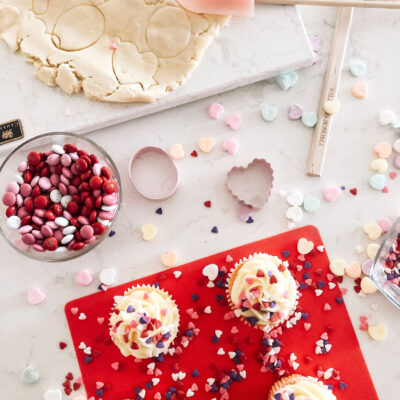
83 278
215 110
331 193
231 146
233 121
295 112
36 296
385 224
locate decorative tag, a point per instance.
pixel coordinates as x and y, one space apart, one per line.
11 131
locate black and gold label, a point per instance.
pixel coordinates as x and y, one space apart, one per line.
10 131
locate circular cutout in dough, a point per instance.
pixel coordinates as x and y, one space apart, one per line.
169 31
78 28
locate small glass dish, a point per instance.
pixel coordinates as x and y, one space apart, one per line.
43 143
380 274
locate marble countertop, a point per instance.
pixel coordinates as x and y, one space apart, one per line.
30 334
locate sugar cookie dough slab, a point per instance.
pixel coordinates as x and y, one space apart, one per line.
246 51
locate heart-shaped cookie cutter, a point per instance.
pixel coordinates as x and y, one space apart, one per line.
251 184
153 173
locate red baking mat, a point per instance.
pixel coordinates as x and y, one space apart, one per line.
201 353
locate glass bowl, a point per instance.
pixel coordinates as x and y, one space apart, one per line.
381 275
8 171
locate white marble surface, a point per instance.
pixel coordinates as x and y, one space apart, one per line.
236 58
31 334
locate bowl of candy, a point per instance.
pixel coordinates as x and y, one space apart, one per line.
60 196
385 271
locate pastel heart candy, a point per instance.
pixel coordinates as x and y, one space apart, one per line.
230 145
206 144
83 278
36 296
169 259
244 212
295 198
269 113
233 121
360 91
211 271
373 230
331 193
372 250
29 375
311 204
295 214
338 267
353 270
107 276
396 161
304 246
387 117
358 68
52 394
287 80
332 106
383 150
377 332
377 181
367 286
215 110
295 112
379 165
176 151
385 224
149 231
309 119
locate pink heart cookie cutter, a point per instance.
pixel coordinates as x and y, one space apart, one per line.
153 173
252 184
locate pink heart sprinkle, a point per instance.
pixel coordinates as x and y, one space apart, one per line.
233 121
191 325
36 296
100 320
215 110
330 277
99 385
228 258
301 257
157 371
115 365
324 336
234 330
364 326
83 278
231 146
307 326
157 396
392 175
327 307
385 190
331 193
194 387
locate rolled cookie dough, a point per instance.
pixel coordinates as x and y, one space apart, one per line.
113 50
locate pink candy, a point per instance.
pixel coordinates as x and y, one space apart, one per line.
9 199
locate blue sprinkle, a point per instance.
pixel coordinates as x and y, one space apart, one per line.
159 358
250 220
130 309
215 339
160 345
219 297
323 350
149 340
99 392
159 211
269 273
221 273
343 187
138 397
321 284
342 385
307 265
339 300
291 396
156 284
220 284
272 304
278 396
265 342
195 373
88 359
195 297
214 230
172 389
225 385
142 320
137 390
276 343
238 352
278 364
304 315
306 275
111 234
168 395
286 253
149 385
166 335
303 285
330 387
189 333
252 320
214 388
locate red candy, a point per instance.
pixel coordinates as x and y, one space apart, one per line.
95 182
109 187
50 244
40 201
34 158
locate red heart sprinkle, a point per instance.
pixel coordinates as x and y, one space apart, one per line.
392 175
67 391
353 191
69 376
385 190
76 386
62 345
193 153
207 203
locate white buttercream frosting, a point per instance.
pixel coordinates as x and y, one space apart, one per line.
305 389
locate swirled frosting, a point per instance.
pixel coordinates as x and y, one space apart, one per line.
305 389
144 322
263 291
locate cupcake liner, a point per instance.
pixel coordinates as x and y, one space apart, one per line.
290 380
230 280
164 294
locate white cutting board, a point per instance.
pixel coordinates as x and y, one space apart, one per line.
247 50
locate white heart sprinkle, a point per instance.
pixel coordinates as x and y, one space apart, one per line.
82 316
88 350
177 274
82 345
220 351
207 310
211 271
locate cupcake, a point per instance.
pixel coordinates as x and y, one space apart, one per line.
262 291
298 387
144 322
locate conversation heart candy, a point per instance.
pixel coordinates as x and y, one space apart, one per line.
331 193
83 278
269 113
233 121
383 150
29 375
358 68
287 80
373 230
295 112
149 232
36 296
311 204
215 110
309 119
377 332
304 246
230 145
294 213
332 106
206 144
379 165
176 151
377 181
295 198
169 259
360 91
387 117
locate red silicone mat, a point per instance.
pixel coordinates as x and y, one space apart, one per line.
201 353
